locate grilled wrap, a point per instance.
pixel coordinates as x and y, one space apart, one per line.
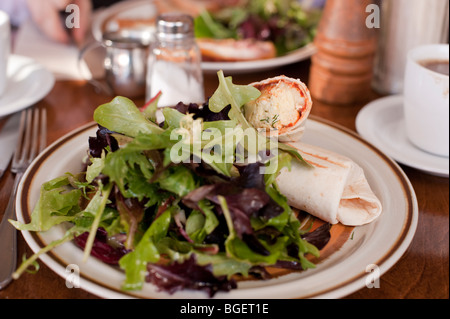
284 105
334 190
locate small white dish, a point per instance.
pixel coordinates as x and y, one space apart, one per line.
381 122
28 82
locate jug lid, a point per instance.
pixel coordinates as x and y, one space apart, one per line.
128 39
174 26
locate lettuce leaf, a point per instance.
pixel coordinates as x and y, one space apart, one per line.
131 214
188 274
122 116
130 171
235 95
101 248
57 203
95 208
202 222
150 108
223 265
178 180
206 27
135 262
236 247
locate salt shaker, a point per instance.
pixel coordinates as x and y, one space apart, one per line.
174 63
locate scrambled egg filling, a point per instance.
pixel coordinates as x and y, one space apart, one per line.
279 106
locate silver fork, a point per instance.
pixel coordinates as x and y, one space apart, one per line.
31 141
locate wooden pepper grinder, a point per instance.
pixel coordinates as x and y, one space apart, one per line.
342 69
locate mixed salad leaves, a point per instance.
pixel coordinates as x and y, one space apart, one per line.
198 222
284 22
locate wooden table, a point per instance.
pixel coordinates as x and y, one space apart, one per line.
422 272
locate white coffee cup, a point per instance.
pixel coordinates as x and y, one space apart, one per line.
5 49
426 103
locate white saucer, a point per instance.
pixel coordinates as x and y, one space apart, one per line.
28 82
381 123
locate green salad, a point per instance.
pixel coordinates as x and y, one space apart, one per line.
176 204
284 22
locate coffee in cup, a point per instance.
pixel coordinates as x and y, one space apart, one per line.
426 98
439 66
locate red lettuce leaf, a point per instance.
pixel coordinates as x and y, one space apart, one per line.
203 111
102 140
101 249
131 212
246 197
187 275
319 237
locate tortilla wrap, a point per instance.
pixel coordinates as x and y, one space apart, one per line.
335 190
284 105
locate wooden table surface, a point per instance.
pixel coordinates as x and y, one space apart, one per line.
422 272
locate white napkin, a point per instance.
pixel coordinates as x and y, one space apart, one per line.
60 59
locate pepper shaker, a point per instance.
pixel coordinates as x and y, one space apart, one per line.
342 68
174 63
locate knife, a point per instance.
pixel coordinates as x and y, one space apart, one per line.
8 141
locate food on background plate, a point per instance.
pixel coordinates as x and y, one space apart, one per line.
138 18
284 106
181 213
231 50
134 19
229 30
195 7
285 24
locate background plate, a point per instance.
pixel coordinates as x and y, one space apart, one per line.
28 82
138 9
230 68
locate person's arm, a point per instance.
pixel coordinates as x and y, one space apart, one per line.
16 9
46 15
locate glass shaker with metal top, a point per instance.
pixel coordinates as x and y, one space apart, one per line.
174 63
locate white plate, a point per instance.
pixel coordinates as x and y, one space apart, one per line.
260 65
104 20
28 82
381 122
382 242
139 9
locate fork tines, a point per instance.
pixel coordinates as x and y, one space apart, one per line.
32 136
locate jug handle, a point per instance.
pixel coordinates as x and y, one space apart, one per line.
102 87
